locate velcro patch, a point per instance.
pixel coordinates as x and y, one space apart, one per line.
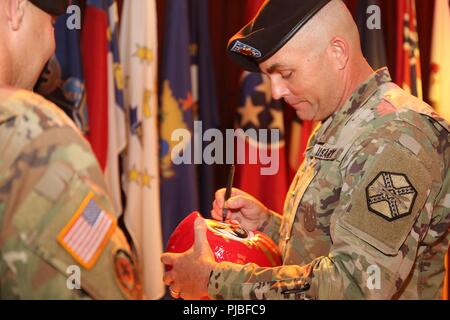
87 233
127 275
391 196
325 152
393 193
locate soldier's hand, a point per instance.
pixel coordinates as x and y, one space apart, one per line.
242 207
189 274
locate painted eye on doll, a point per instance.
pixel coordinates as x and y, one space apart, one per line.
231 231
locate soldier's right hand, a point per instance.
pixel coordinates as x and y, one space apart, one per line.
242 207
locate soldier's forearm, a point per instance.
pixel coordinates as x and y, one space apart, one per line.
271 225
324 278
251 282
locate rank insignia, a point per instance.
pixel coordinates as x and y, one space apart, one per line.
246 50
391 196
309 217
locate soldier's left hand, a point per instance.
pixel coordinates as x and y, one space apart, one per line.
190 270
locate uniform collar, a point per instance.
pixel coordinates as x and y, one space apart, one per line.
6 111
358 99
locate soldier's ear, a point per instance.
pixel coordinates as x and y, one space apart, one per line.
340 52
15 12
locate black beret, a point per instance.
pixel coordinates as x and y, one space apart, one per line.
274 25
53 7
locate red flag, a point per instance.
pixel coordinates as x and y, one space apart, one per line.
257 110
408 74
94 51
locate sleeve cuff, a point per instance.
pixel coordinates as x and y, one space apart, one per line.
225 281
229 281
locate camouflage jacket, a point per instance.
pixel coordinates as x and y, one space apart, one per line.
58 236
368 213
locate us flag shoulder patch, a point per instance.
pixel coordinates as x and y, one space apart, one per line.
87 233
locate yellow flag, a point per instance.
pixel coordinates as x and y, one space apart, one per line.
440 59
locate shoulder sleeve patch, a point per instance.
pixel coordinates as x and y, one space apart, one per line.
391 195
87 233
127 274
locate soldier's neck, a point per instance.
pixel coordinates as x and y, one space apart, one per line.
5 68
358 74
11 75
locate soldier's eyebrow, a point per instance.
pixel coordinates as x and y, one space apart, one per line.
274 68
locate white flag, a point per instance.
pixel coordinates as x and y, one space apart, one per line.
138 43
117 139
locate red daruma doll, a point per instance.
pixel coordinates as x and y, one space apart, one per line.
228 242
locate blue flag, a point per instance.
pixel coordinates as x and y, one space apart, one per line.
62 82
179 194
203 74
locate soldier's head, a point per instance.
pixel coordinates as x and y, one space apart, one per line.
310 50
26 39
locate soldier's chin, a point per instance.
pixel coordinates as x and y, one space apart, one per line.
305 115
304 111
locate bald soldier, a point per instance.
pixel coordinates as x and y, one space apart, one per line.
368 213
59 237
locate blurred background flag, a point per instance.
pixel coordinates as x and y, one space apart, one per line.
408 71
204 93
139 48
104 88
62 82
440 59
371 32
257 110
440 80
179 193
117 139
94 51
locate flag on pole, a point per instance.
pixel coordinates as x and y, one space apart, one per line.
179 193
117 140
257 110
440 59
94 52
368 19
204 93
408 71
104 83
139 49
440 82
62 81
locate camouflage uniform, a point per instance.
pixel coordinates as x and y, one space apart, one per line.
371 198
50 181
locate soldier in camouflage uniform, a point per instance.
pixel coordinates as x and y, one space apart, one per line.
367 215
59 237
